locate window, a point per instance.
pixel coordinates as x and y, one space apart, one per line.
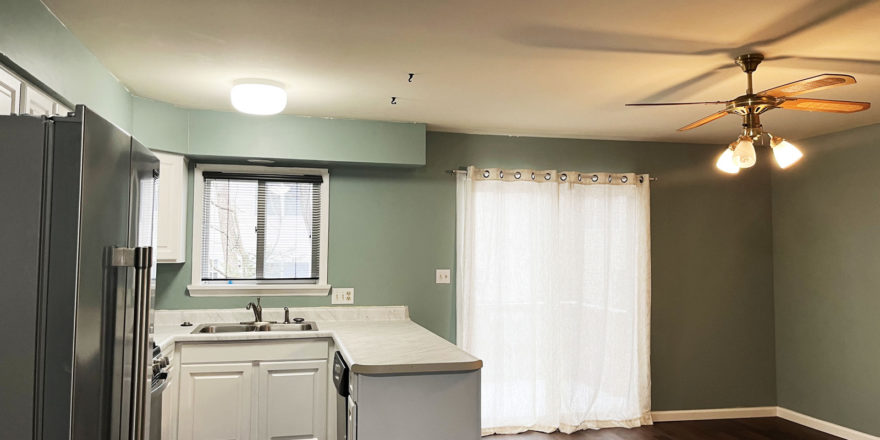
259 231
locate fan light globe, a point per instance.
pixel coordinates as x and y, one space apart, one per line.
744 153
725 162
785 153
257 97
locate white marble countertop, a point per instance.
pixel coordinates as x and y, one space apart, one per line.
373 340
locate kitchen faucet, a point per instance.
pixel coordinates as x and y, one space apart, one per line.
258 310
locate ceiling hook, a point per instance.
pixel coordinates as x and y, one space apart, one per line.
393 100
411 75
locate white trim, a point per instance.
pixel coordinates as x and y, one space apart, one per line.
196 288
762 411
259 290
821 425
714 414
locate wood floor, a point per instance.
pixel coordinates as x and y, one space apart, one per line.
732 429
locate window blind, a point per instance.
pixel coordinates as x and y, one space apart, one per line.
259 227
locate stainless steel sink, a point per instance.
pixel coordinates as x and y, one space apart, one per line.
255 327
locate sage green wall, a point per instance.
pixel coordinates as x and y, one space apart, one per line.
218 135
32 38
712 307
826 223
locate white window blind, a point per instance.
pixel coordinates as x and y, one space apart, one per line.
261 228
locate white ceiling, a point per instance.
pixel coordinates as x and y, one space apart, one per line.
524 67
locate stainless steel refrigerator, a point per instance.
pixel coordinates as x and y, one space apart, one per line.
77 205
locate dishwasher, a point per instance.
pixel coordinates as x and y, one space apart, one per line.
344 417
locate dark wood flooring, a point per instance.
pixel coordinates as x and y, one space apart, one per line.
769 428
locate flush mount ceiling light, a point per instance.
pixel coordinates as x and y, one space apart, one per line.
741 153
258 97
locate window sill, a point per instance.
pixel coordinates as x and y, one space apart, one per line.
260 290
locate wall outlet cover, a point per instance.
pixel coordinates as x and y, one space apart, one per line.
443 276
343 295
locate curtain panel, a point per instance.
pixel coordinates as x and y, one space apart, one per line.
553 294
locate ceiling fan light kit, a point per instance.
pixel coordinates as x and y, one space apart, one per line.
741 153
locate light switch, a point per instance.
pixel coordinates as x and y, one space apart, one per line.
442 276
343 295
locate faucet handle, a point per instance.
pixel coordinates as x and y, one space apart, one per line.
286 315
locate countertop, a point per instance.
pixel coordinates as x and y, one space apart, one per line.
373 340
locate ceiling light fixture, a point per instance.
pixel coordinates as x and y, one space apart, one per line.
785 153
258 97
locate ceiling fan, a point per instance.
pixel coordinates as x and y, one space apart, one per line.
741 153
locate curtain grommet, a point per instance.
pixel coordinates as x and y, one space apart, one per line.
580 178
595 178
641 179
517 175
624 179
547 176
486 174
563 177
501 174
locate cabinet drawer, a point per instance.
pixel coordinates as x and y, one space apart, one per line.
250 351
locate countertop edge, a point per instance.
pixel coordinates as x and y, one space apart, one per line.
442 367
169 343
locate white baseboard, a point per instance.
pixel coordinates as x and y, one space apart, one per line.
714 414
821 425
762 411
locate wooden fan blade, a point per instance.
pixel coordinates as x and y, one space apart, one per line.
812 84
824 105
676 103
703 121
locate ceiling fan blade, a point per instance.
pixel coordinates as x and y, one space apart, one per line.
703 121
648 104
812 84
804 18
825 105
561 37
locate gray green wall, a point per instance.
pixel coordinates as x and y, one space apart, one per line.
33 39
826 223
712 307
224 135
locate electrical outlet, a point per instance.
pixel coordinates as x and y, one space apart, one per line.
442 276
343 295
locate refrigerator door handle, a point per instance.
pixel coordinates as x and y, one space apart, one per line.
141 258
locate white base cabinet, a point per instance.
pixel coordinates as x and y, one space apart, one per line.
293 400
215 401
253 390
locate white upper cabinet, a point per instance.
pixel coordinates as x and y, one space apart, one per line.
60 109
10 90
37 103
171 235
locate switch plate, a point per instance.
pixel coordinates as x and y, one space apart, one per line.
343 295
442 276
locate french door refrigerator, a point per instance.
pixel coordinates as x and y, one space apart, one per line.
77 204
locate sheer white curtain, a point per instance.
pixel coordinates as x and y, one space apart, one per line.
553 294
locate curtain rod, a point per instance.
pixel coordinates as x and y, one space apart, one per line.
454 172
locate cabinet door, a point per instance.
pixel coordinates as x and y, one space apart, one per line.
37 103
172 208
215 402
60 109
10 89
293 400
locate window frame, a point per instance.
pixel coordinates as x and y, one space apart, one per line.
198 288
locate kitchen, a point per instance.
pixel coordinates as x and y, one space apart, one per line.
328 270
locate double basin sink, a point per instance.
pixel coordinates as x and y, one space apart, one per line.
255 327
